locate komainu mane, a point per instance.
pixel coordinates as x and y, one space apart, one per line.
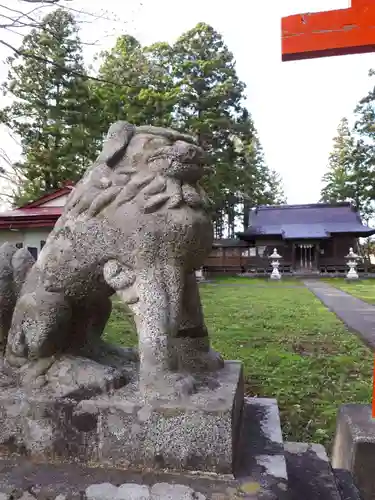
136 225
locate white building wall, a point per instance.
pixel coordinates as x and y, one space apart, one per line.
34 237
31 237
28 237
11 236
57 202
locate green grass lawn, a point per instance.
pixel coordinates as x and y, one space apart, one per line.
292 348
246 280
363 289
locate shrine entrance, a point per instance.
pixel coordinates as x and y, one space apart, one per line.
305 257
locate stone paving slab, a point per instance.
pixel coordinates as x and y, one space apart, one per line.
357 315
75 481
310 473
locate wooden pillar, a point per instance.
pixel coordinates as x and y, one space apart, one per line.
334 250
293 256
317 255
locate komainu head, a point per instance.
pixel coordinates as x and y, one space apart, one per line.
151 166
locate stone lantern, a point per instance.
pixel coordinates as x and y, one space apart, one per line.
199 274
352 262
274 258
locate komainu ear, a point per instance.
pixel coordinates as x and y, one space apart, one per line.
118 137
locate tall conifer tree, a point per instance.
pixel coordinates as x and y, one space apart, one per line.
52 112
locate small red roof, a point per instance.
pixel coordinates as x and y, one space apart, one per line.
33 215
31 212
66 189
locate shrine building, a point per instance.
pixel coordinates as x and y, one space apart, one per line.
313 238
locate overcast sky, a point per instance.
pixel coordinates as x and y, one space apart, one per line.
296 106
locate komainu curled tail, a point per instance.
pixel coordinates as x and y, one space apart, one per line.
14 265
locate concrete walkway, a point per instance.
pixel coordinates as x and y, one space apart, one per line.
355 313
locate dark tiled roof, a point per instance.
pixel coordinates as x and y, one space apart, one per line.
229 242
318 221
291 231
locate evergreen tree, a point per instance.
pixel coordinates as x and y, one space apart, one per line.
136 84
53 112
365 151
209 103
361 181
365 116
337 178
211 106
258 184
191 85
350 175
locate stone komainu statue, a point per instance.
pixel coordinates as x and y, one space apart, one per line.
136 225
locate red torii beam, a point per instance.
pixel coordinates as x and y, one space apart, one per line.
331 33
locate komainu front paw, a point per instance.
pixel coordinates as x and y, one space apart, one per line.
195 356
211 361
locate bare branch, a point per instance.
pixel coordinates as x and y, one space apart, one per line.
11 135
8 178
12 175
31 22
30 19
26 15
6 195
84 76
4 156
50 2
103 16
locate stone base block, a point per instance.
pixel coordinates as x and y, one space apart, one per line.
310 475
260 457
345 485
354 446
199 432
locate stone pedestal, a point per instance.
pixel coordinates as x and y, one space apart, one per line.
120 429
354 446
258 473
264 468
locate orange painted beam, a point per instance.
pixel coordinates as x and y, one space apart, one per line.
331 33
